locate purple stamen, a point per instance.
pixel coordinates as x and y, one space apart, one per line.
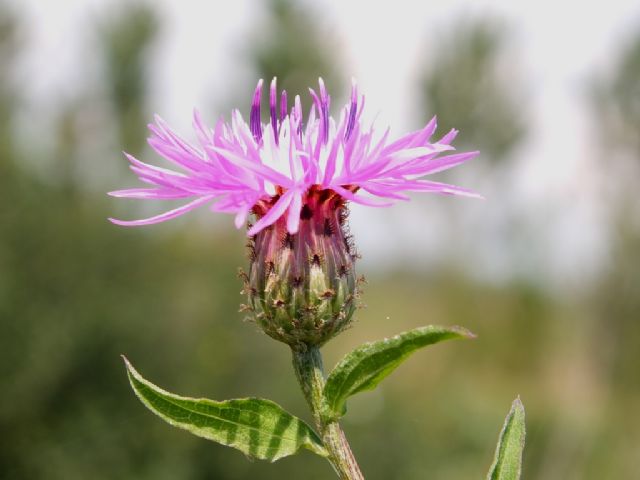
352 110
297 113
318 107
255 123
273 102
324 110
283 105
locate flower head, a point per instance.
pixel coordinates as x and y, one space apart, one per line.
296 178
269 169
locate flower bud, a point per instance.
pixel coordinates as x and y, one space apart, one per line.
302 287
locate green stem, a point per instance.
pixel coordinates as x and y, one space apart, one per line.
308 367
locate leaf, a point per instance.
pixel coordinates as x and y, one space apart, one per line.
257 427
508 458
370 363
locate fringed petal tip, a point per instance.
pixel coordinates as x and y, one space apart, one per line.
241 218
149 193
125 223
176 212
460 192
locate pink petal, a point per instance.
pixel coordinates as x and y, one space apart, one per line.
241 216
293 217
381 191
273 214
440 164
176 212
267 172
449 137
160 194
442 188
359 198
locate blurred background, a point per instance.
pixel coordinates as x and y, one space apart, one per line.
546 271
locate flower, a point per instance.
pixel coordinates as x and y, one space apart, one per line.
296 180
269 169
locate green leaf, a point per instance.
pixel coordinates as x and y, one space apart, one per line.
368 364
257 427
508 459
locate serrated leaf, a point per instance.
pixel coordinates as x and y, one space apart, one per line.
365 367
257 427
507 463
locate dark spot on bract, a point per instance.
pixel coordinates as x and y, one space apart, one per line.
328 227
270 267
306 213
325 195
287 241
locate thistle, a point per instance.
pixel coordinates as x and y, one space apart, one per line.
290 181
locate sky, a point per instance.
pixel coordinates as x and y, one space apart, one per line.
555 47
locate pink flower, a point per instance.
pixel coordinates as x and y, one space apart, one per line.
270 169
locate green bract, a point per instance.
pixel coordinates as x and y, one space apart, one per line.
302 287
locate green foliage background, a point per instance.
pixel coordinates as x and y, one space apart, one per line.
76 292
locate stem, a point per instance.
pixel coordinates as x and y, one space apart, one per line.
309 371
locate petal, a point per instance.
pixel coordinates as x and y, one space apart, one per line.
368 201
274 213
385 192
413 138
449 136
293 217
155 193
241 216
261 169
434 165
442 188
176 212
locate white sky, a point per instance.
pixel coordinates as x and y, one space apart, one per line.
556 46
